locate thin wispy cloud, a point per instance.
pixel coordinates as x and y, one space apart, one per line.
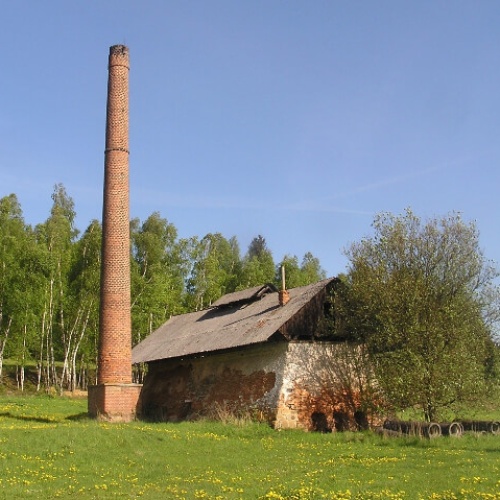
383 183
161 200
29 184
324 204
158 200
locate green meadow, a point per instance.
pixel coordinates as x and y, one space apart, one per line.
50 449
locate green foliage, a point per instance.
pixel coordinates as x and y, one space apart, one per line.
51 450
50 281
216 269
83 303
56 243
157 279
258 265
417 294
11 247
308 272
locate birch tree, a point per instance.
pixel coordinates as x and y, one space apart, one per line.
56 235
157 274
215 270
11 238
82 303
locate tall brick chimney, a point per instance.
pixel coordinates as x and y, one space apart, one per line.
115 397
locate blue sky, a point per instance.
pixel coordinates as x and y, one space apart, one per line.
296 120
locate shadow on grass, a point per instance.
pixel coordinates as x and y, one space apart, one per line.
25 418
74 418
79 417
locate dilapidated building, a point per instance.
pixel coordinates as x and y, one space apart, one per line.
251 353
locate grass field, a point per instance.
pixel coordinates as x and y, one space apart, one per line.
49 449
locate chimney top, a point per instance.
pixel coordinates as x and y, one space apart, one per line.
118 56
118 49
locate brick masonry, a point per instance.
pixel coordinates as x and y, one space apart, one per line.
112 398
288 384
243 382
322 387
114 402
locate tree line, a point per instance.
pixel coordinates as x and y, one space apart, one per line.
419 304
50 280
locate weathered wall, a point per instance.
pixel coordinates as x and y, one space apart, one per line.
301 393
323 387
305 324
243 382
306 385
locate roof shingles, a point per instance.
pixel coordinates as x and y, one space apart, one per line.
215 330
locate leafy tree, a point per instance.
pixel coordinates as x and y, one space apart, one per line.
258 264
293 275
157 274
311 269
215 271
28 295
257 248
416 293
21 286
11 239
233 265
83 304
308 272
56 237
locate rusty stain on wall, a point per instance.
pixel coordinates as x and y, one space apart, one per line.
240 382
267 382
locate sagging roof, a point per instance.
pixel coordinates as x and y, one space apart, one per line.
245 296
238 319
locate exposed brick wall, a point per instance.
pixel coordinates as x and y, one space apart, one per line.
290 385
115 322
115 398
114 402
324 389
243 382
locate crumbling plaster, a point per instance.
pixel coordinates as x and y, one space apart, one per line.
277 382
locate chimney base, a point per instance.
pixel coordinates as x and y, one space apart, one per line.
114 402
283 297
